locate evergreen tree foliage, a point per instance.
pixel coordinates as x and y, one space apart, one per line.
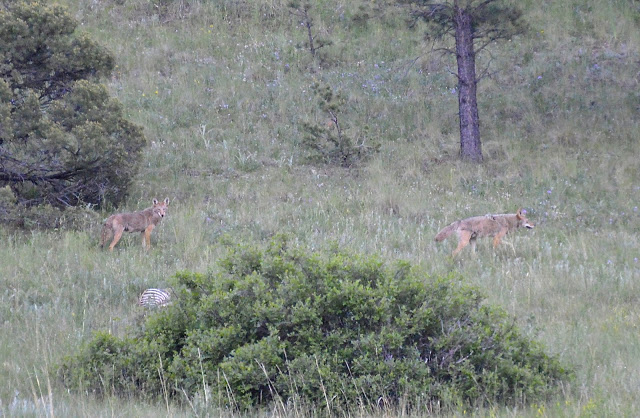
332 143
63 140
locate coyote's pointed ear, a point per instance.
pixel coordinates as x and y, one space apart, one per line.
519 213
166 201
155 202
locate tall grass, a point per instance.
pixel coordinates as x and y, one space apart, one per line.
222 89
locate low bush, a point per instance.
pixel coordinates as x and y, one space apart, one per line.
333 329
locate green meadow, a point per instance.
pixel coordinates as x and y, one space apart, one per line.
223 88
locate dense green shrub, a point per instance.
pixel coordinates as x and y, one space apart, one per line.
334 330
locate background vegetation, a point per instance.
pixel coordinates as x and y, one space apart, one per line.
223 90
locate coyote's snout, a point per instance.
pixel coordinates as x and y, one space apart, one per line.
143 221
495 226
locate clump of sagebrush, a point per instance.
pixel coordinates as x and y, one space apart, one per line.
331 142
332 329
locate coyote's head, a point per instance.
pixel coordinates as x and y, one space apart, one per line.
522 221
160 209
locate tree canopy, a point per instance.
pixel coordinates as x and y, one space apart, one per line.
63 140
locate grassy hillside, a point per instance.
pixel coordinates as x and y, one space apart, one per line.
222 89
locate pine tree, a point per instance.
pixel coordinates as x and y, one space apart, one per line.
474 25
63 140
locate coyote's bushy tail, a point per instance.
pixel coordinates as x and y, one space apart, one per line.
446 231
106 229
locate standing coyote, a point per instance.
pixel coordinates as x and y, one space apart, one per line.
143 221
495 226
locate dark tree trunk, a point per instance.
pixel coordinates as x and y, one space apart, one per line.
470 145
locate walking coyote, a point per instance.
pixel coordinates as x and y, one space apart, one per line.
495 226
143 221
